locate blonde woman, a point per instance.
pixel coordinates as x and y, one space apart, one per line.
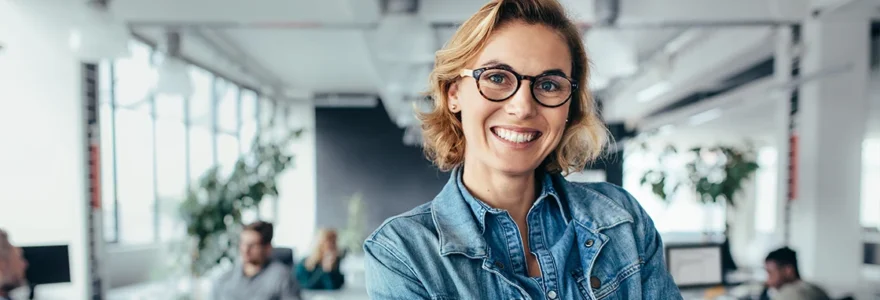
320 270
512 114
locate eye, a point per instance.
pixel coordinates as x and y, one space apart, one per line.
549 86
496 78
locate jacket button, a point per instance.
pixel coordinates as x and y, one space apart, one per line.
588 243
499 265
552 295
595 282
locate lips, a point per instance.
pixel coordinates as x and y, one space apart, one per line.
516 135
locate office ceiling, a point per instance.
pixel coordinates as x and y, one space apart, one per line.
299 49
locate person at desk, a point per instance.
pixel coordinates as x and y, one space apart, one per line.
257 277
12 267
783 277
320 270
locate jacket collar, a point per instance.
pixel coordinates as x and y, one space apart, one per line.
460 223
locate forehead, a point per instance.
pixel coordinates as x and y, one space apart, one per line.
528 48
250 235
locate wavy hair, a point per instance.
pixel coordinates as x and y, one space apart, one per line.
585 134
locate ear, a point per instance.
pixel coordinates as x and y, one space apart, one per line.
789 271
452 100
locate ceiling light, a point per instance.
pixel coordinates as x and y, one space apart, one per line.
654 91
617 57
96 35
665 129
705 116
404 38
174 77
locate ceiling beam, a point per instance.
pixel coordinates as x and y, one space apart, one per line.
339 15
705 63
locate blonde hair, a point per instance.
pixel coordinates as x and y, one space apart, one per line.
324 235
585 134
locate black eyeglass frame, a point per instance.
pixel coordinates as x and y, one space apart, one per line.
476 73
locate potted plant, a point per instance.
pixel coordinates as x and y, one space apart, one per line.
351 238
212 210
715 174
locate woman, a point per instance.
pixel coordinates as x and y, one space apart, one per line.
320 270
512 114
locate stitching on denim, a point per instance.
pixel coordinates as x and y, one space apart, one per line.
399 258
626 273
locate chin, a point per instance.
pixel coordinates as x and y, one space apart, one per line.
514 164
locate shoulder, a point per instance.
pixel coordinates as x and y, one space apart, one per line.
227 276
801 290
404 228
609 191
277 269
603 198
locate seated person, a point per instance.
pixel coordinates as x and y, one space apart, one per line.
783 276
257 277
320 270
12 267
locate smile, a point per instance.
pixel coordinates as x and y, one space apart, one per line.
517 136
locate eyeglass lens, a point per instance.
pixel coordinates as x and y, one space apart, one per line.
500 84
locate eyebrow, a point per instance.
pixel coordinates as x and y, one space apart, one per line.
494 63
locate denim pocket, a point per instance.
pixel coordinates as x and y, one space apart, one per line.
608 283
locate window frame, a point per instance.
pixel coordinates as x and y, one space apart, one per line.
150 100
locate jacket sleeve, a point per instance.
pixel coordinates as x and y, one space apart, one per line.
655 275
388 275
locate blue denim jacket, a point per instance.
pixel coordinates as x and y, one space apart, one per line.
592 241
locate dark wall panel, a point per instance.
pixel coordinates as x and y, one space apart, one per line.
360 150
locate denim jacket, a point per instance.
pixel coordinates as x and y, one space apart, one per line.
592 241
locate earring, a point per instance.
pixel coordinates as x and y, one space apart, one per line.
453 107
566 120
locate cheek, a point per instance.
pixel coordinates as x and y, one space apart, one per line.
556 118
475 114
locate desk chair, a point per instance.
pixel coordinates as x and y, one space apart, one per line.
283 255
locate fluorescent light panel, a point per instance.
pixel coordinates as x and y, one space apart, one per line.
654 91
705 116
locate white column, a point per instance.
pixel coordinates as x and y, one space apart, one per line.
831 123
782 74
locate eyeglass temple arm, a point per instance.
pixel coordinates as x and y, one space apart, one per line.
466 73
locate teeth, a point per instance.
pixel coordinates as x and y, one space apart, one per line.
513 136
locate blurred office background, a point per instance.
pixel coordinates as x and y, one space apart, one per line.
181 87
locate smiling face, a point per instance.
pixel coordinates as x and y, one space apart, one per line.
515 135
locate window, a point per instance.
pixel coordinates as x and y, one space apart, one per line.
766 190
170 162
134 76
135 186
227 107
682 214
155 147
249 119
870 177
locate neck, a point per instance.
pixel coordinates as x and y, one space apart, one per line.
251 269
514 193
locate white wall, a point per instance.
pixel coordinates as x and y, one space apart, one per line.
41 129
295 223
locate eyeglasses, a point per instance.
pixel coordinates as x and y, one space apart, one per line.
497 84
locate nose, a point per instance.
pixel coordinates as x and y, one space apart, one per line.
521 105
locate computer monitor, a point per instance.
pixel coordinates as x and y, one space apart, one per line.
695 265
47 264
